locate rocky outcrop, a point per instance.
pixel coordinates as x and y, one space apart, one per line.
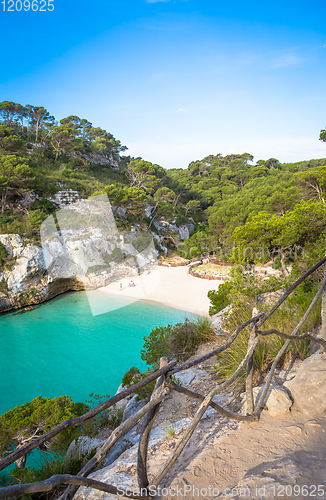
183 231
29 262
65 197
79 256
82 446
308 387
278 402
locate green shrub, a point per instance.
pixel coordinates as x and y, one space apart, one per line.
265 353
110 417
50 467
180 341
142 241
129 375
133 376
243 295
219 298
37 417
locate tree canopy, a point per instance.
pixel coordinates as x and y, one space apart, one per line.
25 423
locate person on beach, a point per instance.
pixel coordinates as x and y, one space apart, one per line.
120 286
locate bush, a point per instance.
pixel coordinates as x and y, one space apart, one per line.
179 341
219 298
133 376
243 294
37 417
3 255
111 417
50 467
265 353
128 377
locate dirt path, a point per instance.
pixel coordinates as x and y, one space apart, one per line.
259 460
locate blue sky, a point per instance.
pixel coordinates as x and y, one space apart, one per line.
177 80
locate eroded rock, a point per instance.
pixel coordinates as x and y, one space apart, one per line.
308 387
278 402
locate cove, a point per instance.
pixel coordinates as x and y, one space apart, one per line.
60 348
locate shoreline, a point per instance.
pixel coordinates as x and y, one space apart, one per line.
170 286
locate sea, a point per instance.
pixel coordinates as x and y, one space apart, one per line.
60 348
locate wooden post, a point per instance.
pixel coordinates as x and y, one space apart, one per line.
250 367
144 438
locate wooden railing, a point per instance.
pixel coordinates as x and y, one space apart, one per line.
164 385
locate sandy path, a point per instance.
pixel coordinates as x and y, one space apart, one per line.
259 460
171 286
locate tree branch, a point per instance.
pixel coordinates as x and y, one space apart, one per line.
54 481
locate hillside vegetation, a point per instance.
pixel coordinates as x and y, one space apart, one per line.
243 211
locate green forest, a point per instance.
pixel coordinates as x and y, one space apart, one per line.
241 210
238 210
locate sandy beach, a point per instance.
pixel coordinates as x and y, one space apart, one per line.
171 286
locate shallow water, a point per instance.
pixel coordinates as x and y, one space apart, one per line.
60 348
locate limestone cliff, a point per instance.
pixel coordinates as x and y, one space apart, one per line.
36 275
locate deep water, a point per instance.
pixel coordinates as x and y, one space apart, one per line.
60 348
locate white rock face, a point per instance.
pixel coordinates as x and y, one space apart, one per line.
148 210
13 243
29 261
121 472
119 211
82 446
132 407
29 264
65 197
183 232
216 320
308 387
191 376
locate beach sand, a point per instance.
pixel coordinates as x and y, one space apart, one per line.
171 286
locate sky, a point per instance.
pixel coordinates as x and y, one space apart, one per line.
176 80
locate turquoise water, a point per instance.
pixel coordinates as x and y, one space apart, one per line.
61 348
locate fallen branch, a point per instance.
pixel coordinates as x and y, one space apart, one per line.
222 411
189 364
293 337
54 481
285 346
200 412
115 436
145 433
250 367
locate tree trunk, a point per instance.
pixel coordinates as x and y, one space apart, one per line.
284 269
37 127
4 199
21 462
